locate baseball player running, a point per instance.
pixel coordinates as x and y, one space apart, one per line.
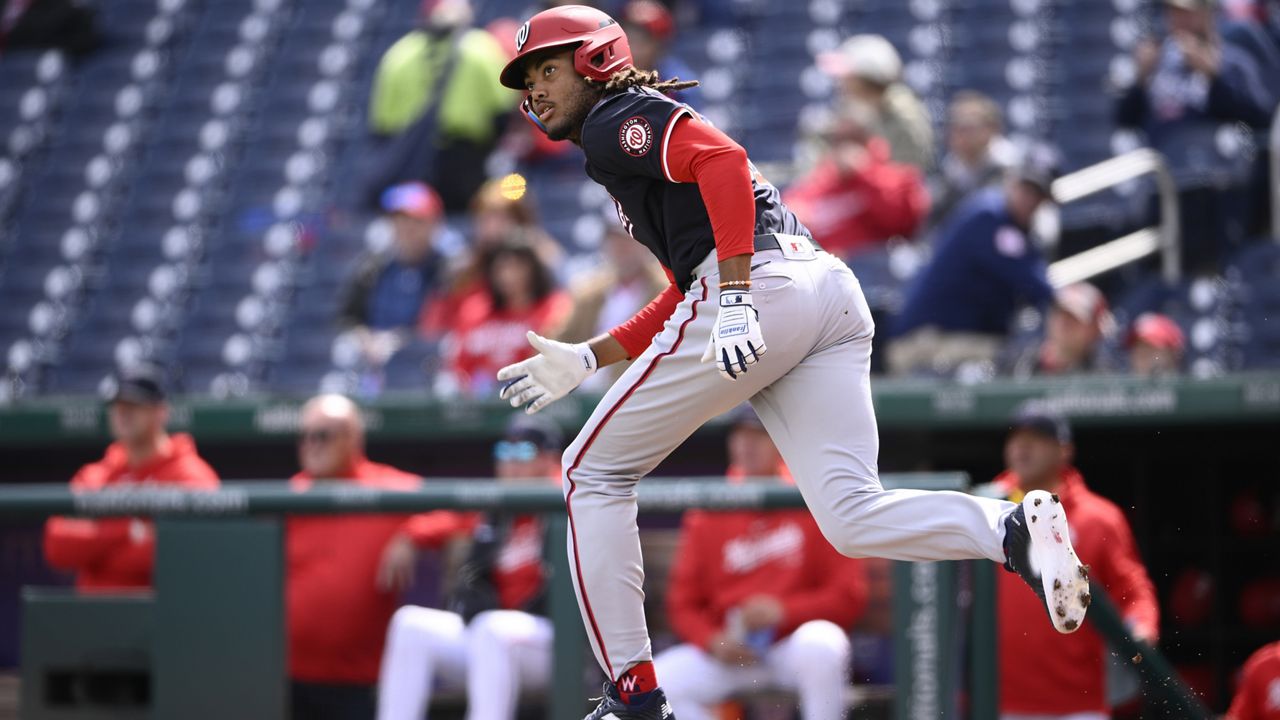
754 311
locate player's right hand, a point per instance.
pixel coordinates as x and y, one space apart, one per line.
548 376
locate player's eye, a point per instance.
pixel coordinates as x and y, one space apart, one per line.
548 70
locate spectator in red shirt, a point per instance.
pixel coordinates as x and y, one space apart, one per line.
760 599
116 553
1259 695
856 197
496 618
344 571
489 329
1070 682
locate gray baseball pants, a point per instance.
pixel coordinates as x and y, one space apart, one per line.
812 391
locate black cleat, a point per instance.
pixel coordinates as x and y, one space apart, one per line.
1037 546
611 707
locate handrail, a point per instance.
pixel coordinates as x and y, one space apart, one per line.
1275 175
1109 256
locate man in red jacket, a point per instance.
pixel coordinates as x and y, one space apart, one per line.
115 553
344 571
1071 681
760 599
1259 695
856 197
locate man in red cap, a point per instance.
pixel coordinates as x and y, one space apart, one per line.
383 299
1155 345
1259 695
1070 682
755 311
115 553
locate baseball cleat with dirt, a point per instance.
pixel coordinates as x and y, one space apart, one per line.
1037 546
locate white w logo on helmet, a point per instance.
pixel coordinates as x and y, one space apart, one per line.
522 36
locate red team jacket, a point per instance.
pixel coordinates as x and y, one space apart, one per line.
726 557
1072 678
337 617
485 340
101 552
1259 695
849 212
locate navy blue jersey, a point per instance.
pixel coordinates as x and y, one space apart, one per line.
625 138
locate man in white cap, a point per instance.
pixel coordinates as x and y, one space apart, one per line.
869 72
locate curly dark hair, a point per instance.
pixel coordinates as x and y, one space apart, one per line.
635 77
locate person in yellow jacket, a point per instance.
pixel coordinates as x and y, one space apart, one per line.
472 106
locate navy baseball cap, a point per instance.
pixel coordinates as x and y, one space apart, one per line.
542 432
142 385
1044 422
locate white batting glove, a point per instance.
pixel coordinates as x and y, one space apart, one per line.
736 341
548 376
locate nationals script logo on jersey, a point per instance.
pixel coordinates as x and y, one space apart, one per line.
635 136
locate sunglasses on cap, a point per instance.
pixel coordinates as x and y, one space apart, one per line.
518 451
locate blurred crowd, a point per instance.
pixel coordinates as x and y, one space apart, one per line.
470 269
744 601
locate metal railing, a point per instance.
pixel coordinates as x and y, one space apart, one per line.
1166 238
1274 146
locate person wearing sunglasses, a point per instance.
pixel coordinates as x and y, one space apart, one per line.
496 613
345 571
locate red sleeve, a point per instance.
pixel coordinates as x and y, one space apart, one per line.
635 334
77 543
840 596
897 199
433 529
699 153
688 592
1254 681
1126 579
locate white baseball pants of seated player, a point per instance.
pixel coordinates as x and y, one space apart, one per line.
432 649
813 662
812 391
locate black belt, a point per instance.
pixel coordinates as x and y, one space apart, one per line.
769 241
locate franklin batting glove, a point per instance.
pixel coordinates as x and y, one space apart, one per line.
548 376
736 341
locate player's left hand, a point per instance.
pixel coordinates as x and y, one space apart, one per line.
736 340
548 376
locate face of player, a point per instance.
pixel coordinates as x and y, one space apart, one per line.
752 451
327 447
1037 459
560 97
1146 359
524 462
1072 338
135 424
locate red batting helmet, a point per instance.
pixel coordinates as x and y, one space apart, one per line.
602 47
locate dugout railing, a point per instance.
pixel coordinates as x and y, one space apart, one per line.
213 629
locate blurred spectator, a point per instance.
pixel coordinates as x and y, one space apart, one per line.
117 553
495 639
869 71
1258 697
501 209
1155 345
650 30
344 571
611 293
1187 85
489 330
856 198
66 24
1259 35
385 295
958 308
977 153
1071 681
1077 324
760 599
437 84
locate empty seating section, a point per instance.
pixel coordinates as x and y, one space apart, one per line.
185 194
